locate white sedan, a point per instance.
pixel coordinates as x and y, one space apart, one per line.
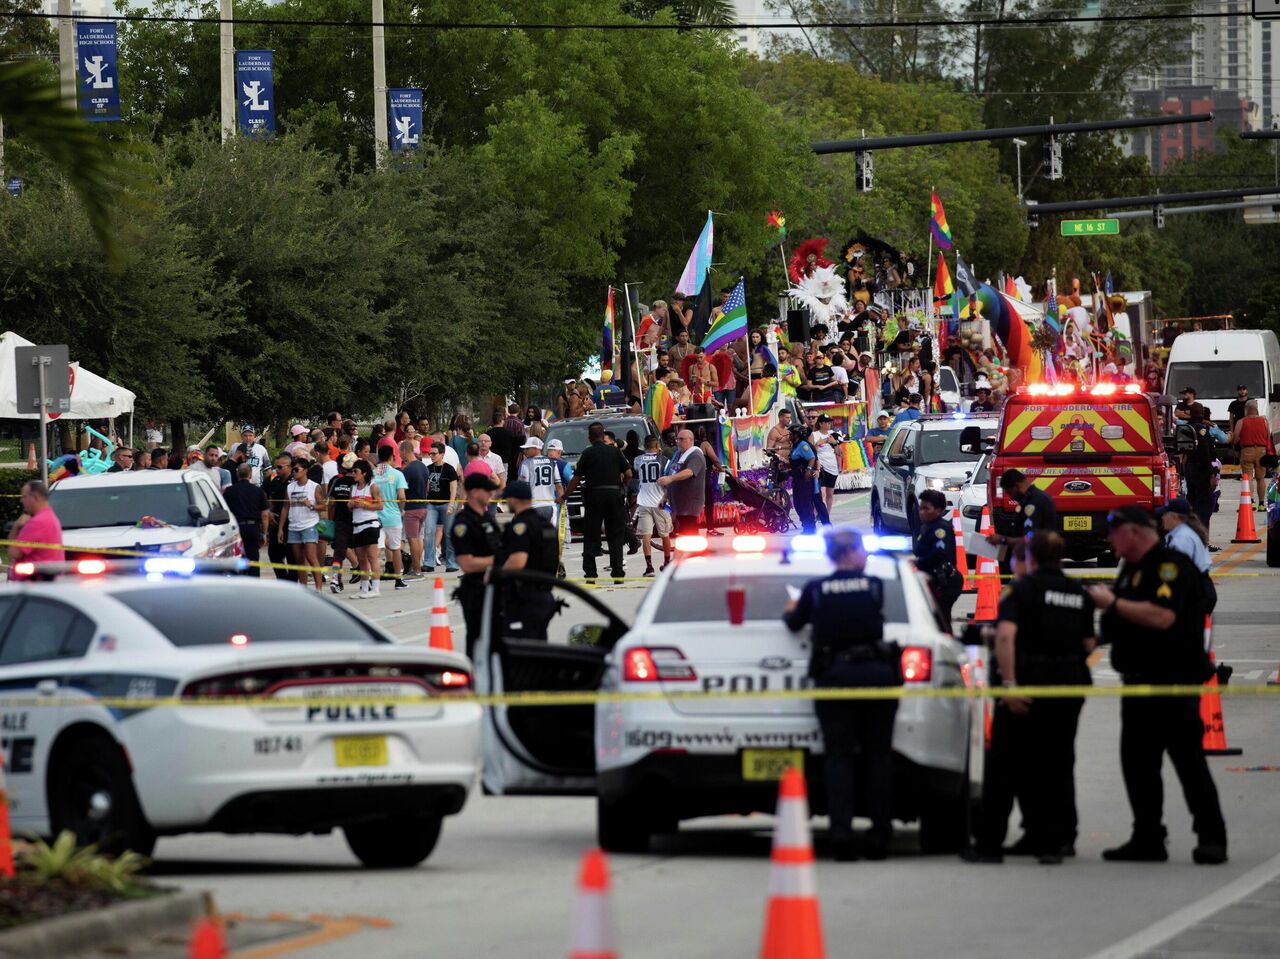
387 774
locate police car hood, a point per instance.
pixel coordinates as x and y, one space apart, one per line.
124 537
956 473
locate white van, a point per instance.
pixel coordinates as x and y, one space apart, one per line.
1215 362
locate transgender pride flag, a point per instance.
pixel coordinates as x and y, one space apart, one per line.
695 271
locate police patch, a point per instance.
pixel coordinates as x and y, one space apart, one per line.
1168 572
940 533
1137 578
459 529
1029 508
519 528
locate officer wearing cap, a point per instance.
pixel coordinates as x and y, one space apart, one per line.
803 462
1044 632
1184 532
845 610
1153 617
1035 511
476 542
529 542
934 547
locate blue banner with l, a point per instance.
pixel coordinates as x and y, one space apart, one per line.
98 65
405 116
256 99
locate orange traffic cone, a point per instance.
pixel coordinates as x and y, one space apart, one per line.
962 558
988 579
1215 729
31 456
207 940
591 935
792 926
441 634
1246 532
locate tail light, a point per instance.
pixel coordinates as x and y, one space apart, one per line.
1157 490
91 567
24 570
749 543
646 664
414 677
917 664
691 543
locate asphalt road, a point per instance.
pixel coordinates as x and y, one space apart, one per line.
501 881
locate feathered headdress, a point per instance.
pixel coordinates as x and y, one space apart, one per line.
822 293
807 258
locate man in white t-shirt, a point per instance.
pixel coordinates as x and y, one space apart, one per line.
824 444
250 451
651 517
543 479
839 375
494 461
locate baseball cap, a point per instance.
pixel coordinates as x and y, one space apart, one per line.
1134 515
248 428
298 429
556 445
1180 506
883 416
532 443
194 449
479 481
519 489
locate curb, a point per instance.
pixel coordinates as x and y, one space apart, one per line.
66 936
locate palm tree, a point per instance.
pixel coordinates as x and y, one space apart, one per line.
31 105
687 12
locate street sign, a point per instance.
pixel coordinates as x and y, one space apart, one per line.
42 385
1270 213
1104 227
14 186
1266 9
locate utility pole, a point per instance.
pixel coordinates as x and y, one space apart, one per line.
1018 145
227 68
1 149
67 53
380 145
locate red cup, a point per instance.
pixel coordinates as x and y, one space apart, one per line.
736 599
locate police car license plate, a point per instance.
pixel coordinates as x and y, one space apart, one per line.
768 765
360 750
1077 523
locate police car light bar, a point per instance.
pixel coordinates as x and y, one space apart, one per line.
871 542
155 567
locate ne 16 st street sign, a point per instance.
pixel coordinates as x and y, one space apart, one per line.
1103 227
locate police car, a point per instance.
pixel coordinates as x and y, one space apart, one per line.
656 761
121 775
972 499
918 455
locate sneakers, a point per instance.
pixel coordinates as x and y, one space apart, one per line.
355 578
648 570
1135 850
401 584
363 592
335 583
1209 854
1023 847
413 577
449 569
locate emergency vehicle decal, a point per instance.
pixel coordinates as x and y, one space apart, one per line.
1068 484
1065 428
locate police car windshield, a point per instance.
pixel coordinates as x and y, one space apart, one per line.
574 434
942 446
192 614
1216 380
97 506
701 599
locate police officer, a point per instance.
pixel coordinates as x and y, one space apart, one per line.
529 542
1198 466
1153 617
846 612
476 542
1035 511
249 505
935 550
606 473
1044 631
804 477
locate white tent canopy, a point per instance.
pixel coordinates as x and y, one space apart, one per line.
92 396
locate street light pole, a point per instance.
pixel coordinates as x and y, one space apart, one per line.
227 68
67 53
1018 145
379 85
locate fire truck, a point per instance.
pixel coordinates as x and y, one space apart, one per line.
1091 449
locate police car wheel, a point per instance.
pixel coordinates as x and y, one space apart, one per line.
913 516
91 795
398 842
877 517
942 825
622 826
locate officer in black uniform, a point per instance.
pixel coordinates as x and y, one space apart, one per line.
605 472
248 504
1153 617
476 542
529 542
935 550
1044 632
1035 508
846 612
1198 466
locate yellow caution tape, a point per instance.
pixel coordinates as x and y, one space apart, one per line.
590 698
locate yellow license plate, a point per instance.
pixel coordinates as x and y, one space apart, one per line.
768 765
360 750
1077 523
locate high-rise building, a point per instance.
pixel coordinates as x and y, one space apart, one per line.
88 9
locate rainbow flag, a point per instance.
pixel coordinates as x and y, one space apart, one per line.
726 449
938 222
606 344
764 393
731 324
750 432
853 455
942 288
659 405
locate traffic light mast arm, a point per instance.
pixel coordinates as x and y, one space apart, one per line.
1153 199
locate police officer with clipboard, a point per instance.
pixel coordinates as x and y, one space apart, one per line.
845 610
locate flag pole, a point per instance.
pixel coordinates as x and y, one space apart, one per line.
750 406
928 263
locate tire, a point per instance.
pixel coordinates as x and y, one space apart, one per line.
622 826
913 517
1273 546
877 517
398 842
943 828
91 794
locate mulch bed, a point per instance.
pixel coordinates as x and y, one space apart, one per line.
24 900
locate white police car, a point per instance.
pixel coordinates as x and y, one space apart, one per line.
656 761
918 455
973 497
290 763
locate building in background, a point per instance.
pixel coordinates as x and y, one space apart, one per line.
88 9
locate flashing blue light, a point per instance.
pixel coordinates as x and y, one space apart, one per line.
885 544
171 565
808 543
959 416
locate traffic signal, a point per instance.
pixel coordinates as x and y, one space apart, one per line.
1157 214
1052 158
864 177
1033 220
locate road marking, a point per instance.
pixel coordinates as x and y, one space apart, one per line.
1183 919
402 612
1250 552
332 928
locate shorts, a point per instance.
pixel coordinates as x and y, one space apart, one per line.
366 537
309 535
392 536
827 480
413 520
651 520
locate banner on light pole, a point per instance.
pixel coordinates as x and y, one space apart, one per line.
98 66
405 117
255 93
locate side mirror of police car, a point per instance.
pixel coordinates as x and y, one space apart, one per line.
971 439
218 516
